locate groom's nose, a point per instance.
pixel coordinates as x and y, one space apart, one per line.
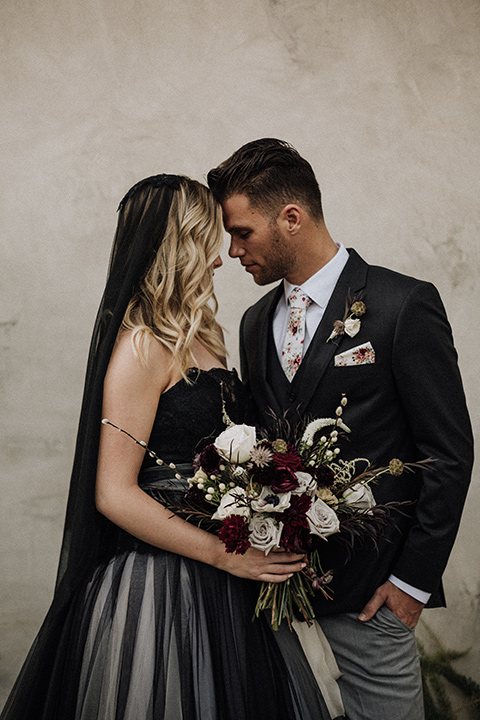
235 250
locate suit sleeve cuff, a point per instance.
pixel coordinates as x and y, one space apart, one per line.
414 592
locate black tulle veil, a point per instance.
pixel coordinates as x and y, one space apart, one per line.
143 216
141 226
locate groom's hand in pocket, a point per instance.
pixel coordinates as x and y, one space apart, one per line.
403 605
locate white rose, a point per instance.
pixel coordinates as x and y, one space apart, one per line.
306 484
236 443
265 533
352 326
234 502
269 501
322 520
359 497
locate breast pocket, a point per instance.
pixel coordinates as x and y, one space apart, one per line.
357 382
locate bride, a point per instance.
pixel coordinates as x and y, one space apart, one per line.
151 618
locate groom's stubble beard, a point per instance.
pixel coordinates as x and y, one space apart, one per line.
279 262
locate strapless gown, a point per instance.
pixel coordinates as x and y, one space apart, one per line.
157 636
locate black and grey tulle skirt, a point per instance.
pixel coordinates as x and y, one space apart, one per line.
156 636
169 638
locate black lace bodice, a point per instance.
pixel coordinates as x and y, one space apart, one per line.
190 414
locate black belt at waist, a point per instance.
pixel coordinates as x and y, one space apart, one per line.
163 476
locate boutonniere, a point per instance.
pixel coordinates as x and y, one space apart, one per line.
350 323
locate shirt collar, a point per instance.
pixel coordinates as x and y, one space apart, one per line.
319 287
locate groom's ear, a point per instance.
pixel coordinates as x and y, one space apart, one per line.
291 217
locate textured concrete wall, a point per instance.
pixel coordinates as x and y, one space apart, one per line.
382 97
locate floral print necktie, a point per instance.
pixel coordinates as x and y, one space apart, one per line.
293 344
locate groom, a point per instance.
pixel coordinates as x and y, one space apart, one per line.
335 327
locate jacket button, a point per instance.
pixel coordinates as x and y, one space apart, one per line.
292 396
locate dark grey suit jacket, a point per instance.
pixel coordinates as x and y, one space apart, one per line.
409 404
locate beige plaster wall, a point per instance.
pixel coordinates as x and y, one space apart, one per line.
382 96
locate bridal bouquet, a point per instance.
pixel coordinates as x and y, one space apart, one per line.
273 494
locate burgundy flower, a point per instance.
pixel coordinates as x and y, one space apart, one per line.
234 534
283 480
296 515
324 476
296 533
209 459
290 459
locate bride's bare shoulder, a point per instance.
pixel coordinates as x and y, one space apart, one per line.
149 362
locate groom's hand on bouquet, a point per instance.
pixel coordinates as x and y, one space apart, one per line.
403 605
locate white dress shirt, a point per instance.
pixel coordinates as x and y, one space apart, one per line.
319 288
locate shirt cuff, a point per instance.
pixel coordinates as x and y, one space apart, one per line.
414 592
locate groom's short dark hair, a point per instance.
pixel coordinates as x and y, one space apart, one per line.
271 173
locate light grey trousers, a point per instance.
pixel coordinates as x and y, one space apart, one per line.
380 664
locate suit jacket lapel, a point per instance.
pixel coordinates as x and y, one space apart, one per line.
320 352
259 362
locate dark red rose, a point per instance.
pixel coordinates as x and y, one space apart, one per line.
283 480
290 459
324 476
296 514
208 459
234 534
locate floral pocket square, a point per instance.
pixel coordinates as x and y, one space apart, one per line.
360 355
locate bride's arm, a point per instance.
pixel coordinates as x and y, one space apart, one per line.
131 394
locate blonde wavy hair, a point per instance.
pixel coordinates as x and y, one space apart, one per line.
175 303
